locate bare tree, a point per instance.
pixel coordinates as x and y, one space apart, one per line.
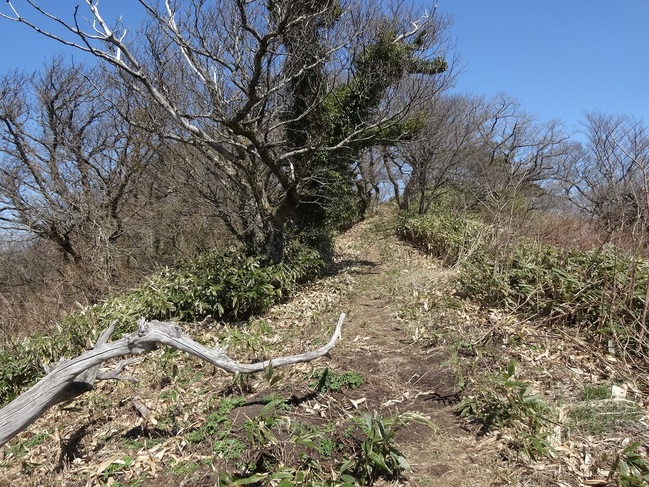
489 149
516 158
610 180
277 98
70 168
436 160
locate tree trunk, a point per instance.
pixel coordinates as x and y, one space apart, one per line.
69 251
275 241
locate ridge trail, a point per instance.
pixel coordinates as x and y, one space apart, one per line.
394 337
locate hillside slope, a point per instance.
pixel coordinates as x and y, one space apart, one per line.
408 347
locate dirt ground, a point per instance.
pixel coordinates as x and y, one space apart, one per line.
406 373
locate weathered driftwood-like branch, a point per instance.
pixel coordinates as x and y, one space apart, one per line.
74 377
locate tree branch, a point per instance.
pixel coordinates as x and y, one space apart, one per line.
72 378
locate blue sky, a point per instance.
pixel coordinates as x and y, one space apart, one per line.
558 57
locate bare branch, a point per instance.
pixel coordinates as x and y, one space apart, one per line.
76 376
114 374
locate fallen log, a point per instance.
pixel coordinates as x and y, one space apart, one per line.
72 378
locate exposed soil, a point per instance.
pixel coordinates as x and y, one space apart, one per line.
404 373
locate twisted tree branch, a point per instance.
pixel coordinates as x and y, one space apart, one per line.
72 378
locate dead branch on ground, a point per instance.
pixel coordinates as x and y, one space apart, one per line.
72 378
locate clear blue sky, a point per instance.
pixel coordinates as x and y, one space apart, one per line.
558 57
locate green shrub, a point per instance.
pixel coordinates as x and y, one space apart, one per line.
227 286
600 290
230 285
377 455
328 380
443 235
503 402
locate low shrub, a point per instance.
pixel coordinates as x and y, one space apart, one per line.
443 235
600 290
503 402
230 285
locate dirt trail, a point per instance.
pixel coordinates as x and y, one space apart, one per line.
388 340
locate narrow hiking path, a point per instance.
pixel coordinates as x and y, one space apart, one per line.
418 344
395 337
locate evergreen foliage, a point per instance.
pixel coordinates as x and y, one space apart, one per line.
331 201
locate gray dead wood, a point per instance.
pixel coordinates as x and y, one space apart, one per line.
74 377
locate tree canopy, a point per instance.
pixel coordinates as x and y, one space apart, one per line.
279 100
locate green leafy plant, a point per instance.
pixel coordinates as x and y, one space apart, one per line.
271 376
377 454
259 428
183 467
117 466
325 447
328 380
504 402
601 290
218 424
225 447
630 466
289 477
443 235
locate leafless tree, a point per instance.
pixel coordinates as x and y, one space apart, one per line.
491 150
609 180
70 168
516 158
436 160
274 95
